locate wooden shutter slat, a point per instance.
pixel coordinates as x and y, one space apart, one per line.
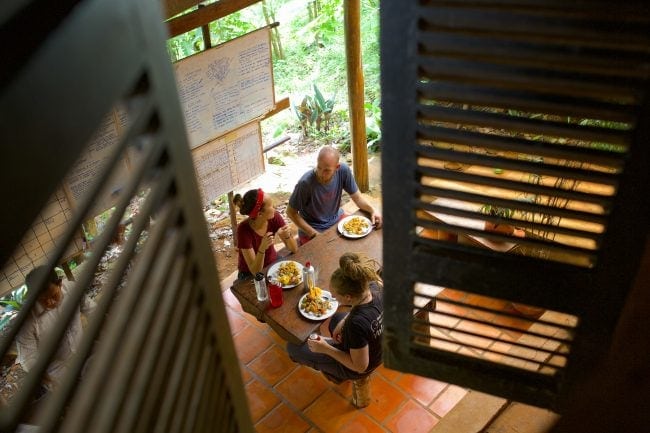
530 101
525 125
551 56
597 28
512 204
518 165
535 189
599 87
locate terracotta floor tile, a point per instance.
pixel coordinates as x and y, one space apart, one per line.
411 418
260 399
389 374
455 295
282 419
281 342
236 321
447 400
487 302
445 307
479 328
385 398
273 365
231 301
422 389
252 320
250 342
512 322
344 389
361 423
302 386
330 411
246 375
465 338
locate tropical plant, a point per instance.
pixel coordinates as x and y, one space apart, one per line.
12 304
498 211
314 111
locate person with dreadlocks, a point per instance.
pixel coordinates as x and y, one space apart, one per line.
353 348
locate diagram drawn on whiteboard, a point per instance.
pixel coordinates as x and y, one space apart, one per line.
219 69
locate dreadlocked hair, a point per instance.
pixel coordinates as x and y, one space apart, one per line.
354 274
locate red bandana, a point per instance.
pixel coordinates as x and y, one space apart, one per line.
258 204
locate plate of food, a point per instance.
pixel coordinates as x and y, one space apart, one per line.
317 304
355 226
288 273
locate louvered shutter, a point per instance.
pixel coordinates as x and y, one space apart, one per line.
539 108
157 353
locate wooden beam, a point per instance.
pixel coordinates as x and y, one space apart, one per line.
280 105
205 15
352 9
175 7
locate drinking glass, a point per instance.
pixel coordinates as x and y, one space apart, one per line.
275 294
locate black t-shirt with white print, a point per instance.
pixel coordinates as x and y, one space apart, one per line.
364 325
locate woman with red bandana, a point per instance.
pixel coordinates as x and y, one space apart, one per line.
256 234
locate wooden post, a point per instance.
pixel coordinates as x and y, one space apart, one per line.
205 32
233 217
356 99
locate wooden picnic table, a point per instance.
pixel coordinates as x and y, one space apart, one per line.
323 252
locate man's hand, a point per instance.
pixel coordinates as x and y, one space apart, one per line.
376 219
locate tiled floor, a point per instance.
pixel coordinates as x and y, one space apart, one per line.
286 397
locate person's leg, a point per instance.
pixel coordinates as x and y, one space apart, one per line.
321 362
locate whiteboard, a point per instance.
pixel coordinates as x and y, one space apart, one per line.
229 161
225 87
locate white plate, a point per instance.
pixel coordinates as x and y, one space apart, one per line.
329 313
275 267
354 235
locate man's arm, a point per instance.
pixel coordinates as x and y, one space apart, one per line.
299 221
363 204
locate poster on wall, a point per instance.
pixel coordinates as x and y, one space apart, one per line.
225 87
229 161
47 231
39 242
91 163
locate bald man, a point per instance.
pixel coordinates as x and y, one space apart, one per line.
315 204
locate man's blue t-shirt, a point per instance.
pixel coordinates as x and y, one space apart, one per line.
320 204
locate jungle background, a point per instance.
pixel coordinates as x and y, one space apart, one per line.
309 67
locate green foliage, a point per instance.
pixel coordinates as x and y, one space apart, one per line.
498 211
233 26
373 125
314 111
185 45
12 303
